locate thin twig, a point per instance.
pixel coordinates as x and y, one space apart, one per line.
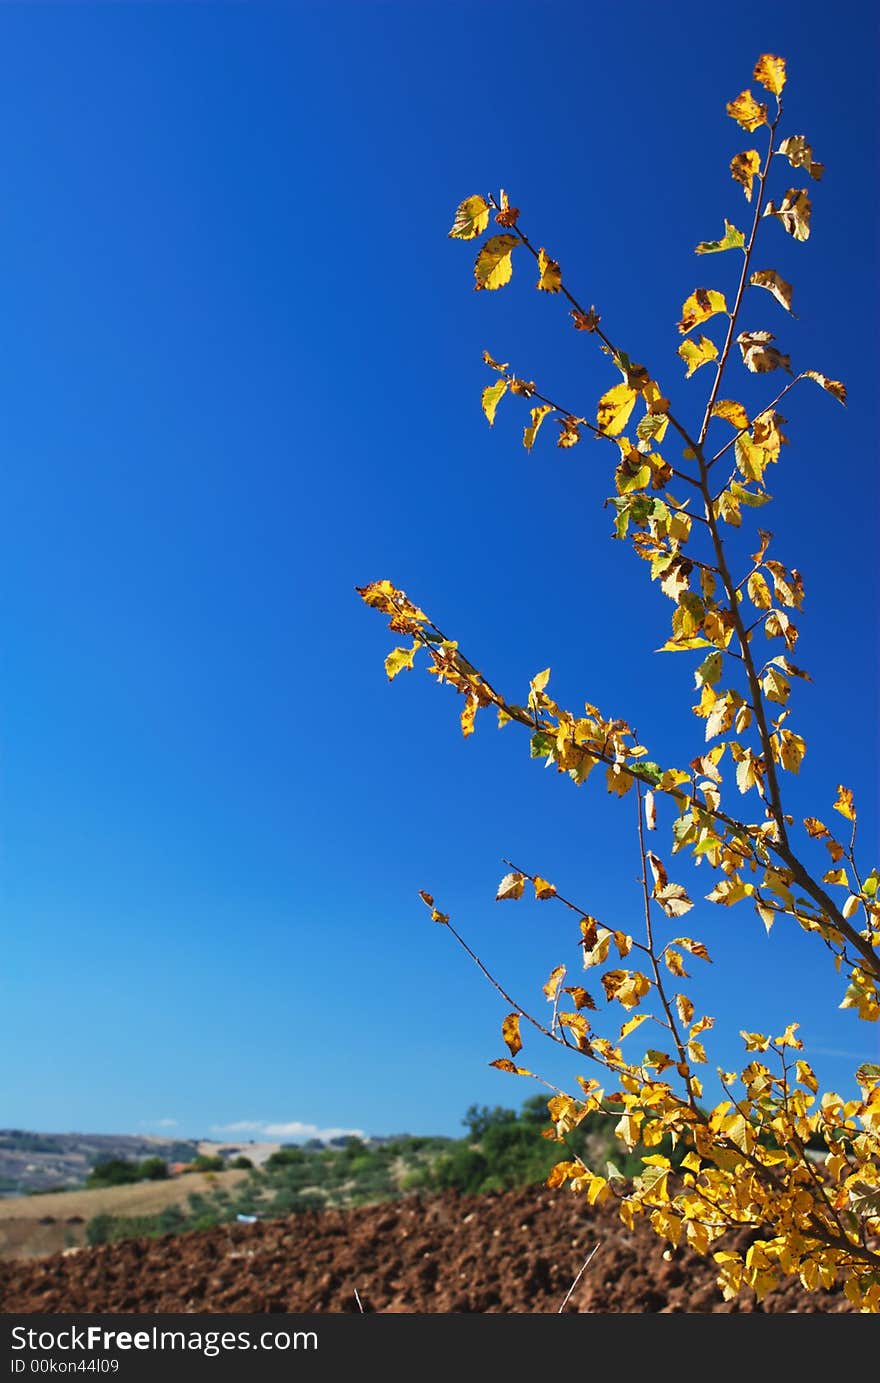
586 1263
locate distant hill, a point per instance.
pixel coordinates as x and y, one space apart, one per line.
32 1162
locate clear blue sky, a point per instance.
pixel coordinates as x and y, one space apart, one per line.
241 376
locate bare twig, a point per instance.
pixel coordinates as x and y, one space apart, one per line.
586 1263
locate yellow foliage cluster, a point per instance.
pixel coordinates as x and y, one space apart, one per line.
799 1166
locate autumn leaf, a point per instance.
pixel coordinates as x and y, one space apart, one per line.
800 155
493 364
468 715
543 888
770 72
775 284
733 240
508 215
537 415
580 997
628 987
844 803
793 213
702 304
697 353
745 168
673 899
510 1033
615 407
694 948
759 591
732 412
491 397
632 1023
585 321
494 265
758 355
685 1008
398 659
750 459
675 963
833 386
471 219
569 431
551 988
511 886
505 1064
550 274
746 111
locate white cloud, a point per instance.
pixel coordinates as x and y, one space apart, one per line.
157 1123
264 1128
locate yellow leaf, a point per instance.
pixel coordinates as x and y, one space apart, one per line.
550 280
468 714
844 803
537 685
793 213
673 899
834 386
510 1033
775 284
493 364
746 111
471 219
538 415
511 886
685 1007
788 1038
561 1173
732 412
696 948
755 1041
580 997
702 304
697 353
632 1023
759 591
492 396
759 356
770 72
788 749
628 987
543 888
750 459
615 408
494 267
522 387
398 659
806 1076
696 1052
551 988
745 168
733 239
800 155
569 434
505 1064
675 963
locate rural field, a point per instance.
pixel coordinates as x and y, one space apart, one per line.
512 1251
33 1226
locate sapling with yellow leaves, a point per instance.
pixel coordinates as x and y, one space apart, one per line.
679 487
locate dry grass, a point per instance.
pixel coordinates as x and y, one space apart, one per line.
22 1235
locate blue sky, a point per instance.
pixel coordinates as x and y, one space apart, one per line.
241 376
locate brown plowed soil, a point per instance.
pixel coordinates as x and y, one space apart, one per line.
514 1251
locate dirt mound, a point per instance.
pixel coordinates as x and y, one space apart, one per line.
514 1251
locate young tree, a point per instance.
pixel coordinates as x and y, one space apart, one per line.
747 1161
